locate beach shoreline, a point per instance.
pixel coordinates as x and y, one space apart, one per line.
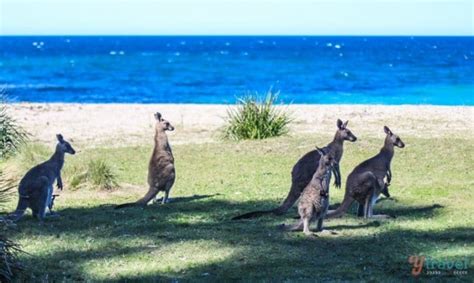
91 125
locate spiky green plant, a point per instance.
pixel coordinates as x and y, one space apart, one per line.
11 134
97 174
256 118
9 250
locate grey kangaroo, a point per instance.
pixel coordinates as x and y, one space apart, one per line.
36 187
304 169
366 182
161 171
314 201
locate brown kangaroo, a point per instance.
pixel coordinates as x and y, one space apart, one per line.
304 169
161 171
36 187
366 182
314 201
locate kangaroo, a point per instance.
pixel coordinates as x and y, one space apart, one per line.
304 169
314 200
366 182
36 187
161 171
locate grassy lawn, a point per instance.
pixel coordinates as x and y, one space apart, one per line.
193 238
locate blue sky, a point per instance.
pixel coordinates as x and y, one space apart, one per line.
237 17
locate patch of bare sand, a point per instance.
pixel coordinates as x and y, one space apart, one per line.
91 125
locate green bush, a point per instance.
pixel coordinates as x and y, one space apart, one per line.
256 118
97 174
9 250
11 134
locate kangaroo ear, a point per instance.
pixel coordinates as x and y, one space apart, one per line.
158 116
345 124
339 124
60 138
387 130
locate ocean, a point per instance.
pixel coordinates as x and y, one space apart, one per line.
219 70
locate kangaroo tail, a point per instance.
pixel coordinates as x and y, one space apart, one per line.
296 227
292 197
141 202
20 209
346 203
130 204
252 214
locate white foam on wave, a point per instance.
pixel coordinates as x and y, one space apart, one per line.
113 52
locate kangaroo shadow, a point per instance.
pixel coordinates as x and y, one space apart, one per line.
259 250
397 211
187 199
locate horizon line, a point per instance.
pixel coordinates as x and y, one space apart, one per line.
239 35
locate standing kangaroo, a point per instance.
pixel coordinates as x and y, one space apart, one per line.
314 201
36 188
161 171
304 169
366 182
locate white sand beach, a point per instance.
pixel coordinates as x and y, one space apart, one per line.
92 125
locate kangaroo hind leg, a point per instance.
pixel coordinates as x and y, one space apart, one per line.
40 205
168 186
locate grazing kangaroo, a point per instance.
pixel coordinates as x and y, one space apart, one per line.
161 171
304 169
36 188
365 183
314 201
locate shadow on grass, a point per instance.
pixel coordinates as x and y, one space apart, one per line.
260 251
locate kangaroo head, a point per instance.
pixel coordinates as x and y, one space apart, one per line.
343 132
327 159
393 138
162 124
63 145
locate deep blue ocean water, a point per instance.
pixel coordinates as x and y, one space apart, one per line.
372 70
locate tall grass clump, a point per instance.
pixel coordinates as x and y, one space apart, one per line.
11 134
256 118
98 174
10 266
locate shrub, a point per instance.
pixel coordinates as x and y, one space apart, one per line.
9 250
256 118
11 134
97 174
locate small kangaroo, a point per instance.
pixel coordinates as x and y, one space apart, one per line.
314 201
366 182
36 188
304 169
161 171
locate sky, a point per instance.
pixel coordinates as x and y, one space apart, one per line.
236 17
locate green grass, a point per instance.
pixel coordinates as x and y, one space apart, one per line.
255 118
193 238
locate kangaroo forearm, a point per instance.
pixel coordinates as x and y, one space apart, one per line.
59 181
337 175
389 175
